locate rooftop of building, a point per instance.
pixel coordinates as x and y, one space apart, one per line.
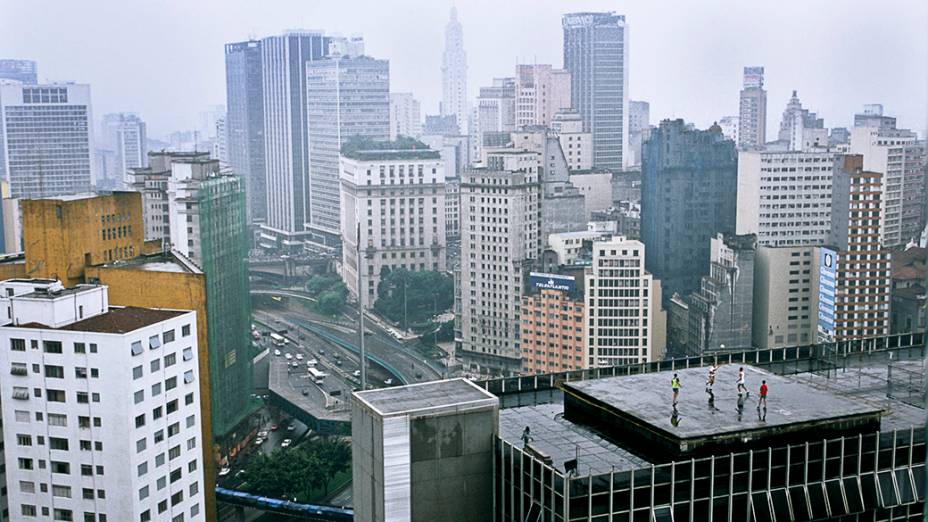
424 397
160 262
403 148
81 196
55 291
115 321
889 382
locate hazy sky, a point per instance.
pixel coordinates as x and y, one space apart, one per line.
164 59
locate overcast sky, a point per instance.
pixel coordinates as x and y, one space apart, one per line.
164 59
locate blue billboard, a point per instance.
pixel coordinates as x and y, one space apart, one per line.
827 275
539 280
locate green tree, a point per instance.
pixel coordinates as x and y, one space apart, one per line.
320 283
330 302
297 472
412 298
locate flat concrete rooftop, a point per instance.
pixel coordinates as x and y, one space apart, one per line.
638 409
434 395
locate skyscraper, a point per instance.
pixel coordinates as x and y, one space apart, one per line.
126 134
496 113
347 96
595 55
639 128
541 91
752 111
500 233
245 122
286 138
24 71
405 116
47 142
688 195
454 73
797 123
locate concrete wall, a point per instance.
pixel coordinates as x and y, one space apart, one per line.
596 187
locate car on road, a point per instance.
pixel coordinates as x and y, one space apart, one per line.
356 373
277 353
274 427
335 393
295 364
418 375
388 382
286 443
305 391
259 441
288 356
262 434
224 471
291 427
299 357
312 362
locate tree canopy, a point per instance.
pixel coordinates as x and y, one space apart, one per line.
296 472
426 293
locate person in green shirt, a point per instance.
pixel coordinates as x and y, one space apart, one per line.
675 384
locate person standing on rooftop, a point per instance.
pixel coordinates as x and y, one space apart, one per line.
675 385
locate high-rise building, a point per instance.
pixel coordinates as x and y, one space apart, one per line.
785 197
900 157
393 195
286 135
496 113
47 139
730 126
860 279
348 97
541 92
552 342
23 71
786 296
596 56
625 322
152 182
752 110
500 233
245 122
688 195
798 124
719 316
576 144
454 74
872 116
405 119
639 128
125 134
117 388
206 122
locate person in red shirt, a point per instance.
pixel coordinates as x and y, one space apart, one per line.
763 395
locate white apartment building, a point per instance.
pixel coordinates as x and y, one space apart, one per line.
405 118
100 408
785 302
569 245
622 308
395 199
500 231
576 144
785 197
46 141
452 206
541 92
900 157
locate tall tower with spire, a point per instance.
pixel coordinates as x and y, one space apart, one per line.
454 73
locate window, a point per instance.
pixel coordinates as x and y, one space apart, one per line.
162 506
188 376
141 444
155 365
54 372
146 516
178 497
86 470
170 384
93 347
174 452
22 416
162 483
28 510
79 372
23 440
137 348
173 429
142 468
87 493
139 396
58 443
61 467
185 330
170 360
191 467
80 348
51 346
159 436
140 420
24 463
188 354
18 345
82 398
54 395
61 491
85 445
154 342
64 514
21 393
27 486
191 420
157 413
137 372
57 419
188 399
168 336
191 443
143 493
156 389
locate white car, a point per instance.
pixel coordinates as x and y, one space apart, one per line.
224 471
277 353
288 356
286 443
356 373
312 362
299 357
262 434
259 441
388 382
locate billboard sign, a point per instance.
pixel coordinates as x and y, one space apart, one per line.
542 281
827 275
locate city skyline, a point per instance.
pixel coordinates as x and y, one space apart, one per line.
710 71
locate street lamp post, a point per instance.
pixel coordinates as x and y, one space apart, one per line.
361 315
